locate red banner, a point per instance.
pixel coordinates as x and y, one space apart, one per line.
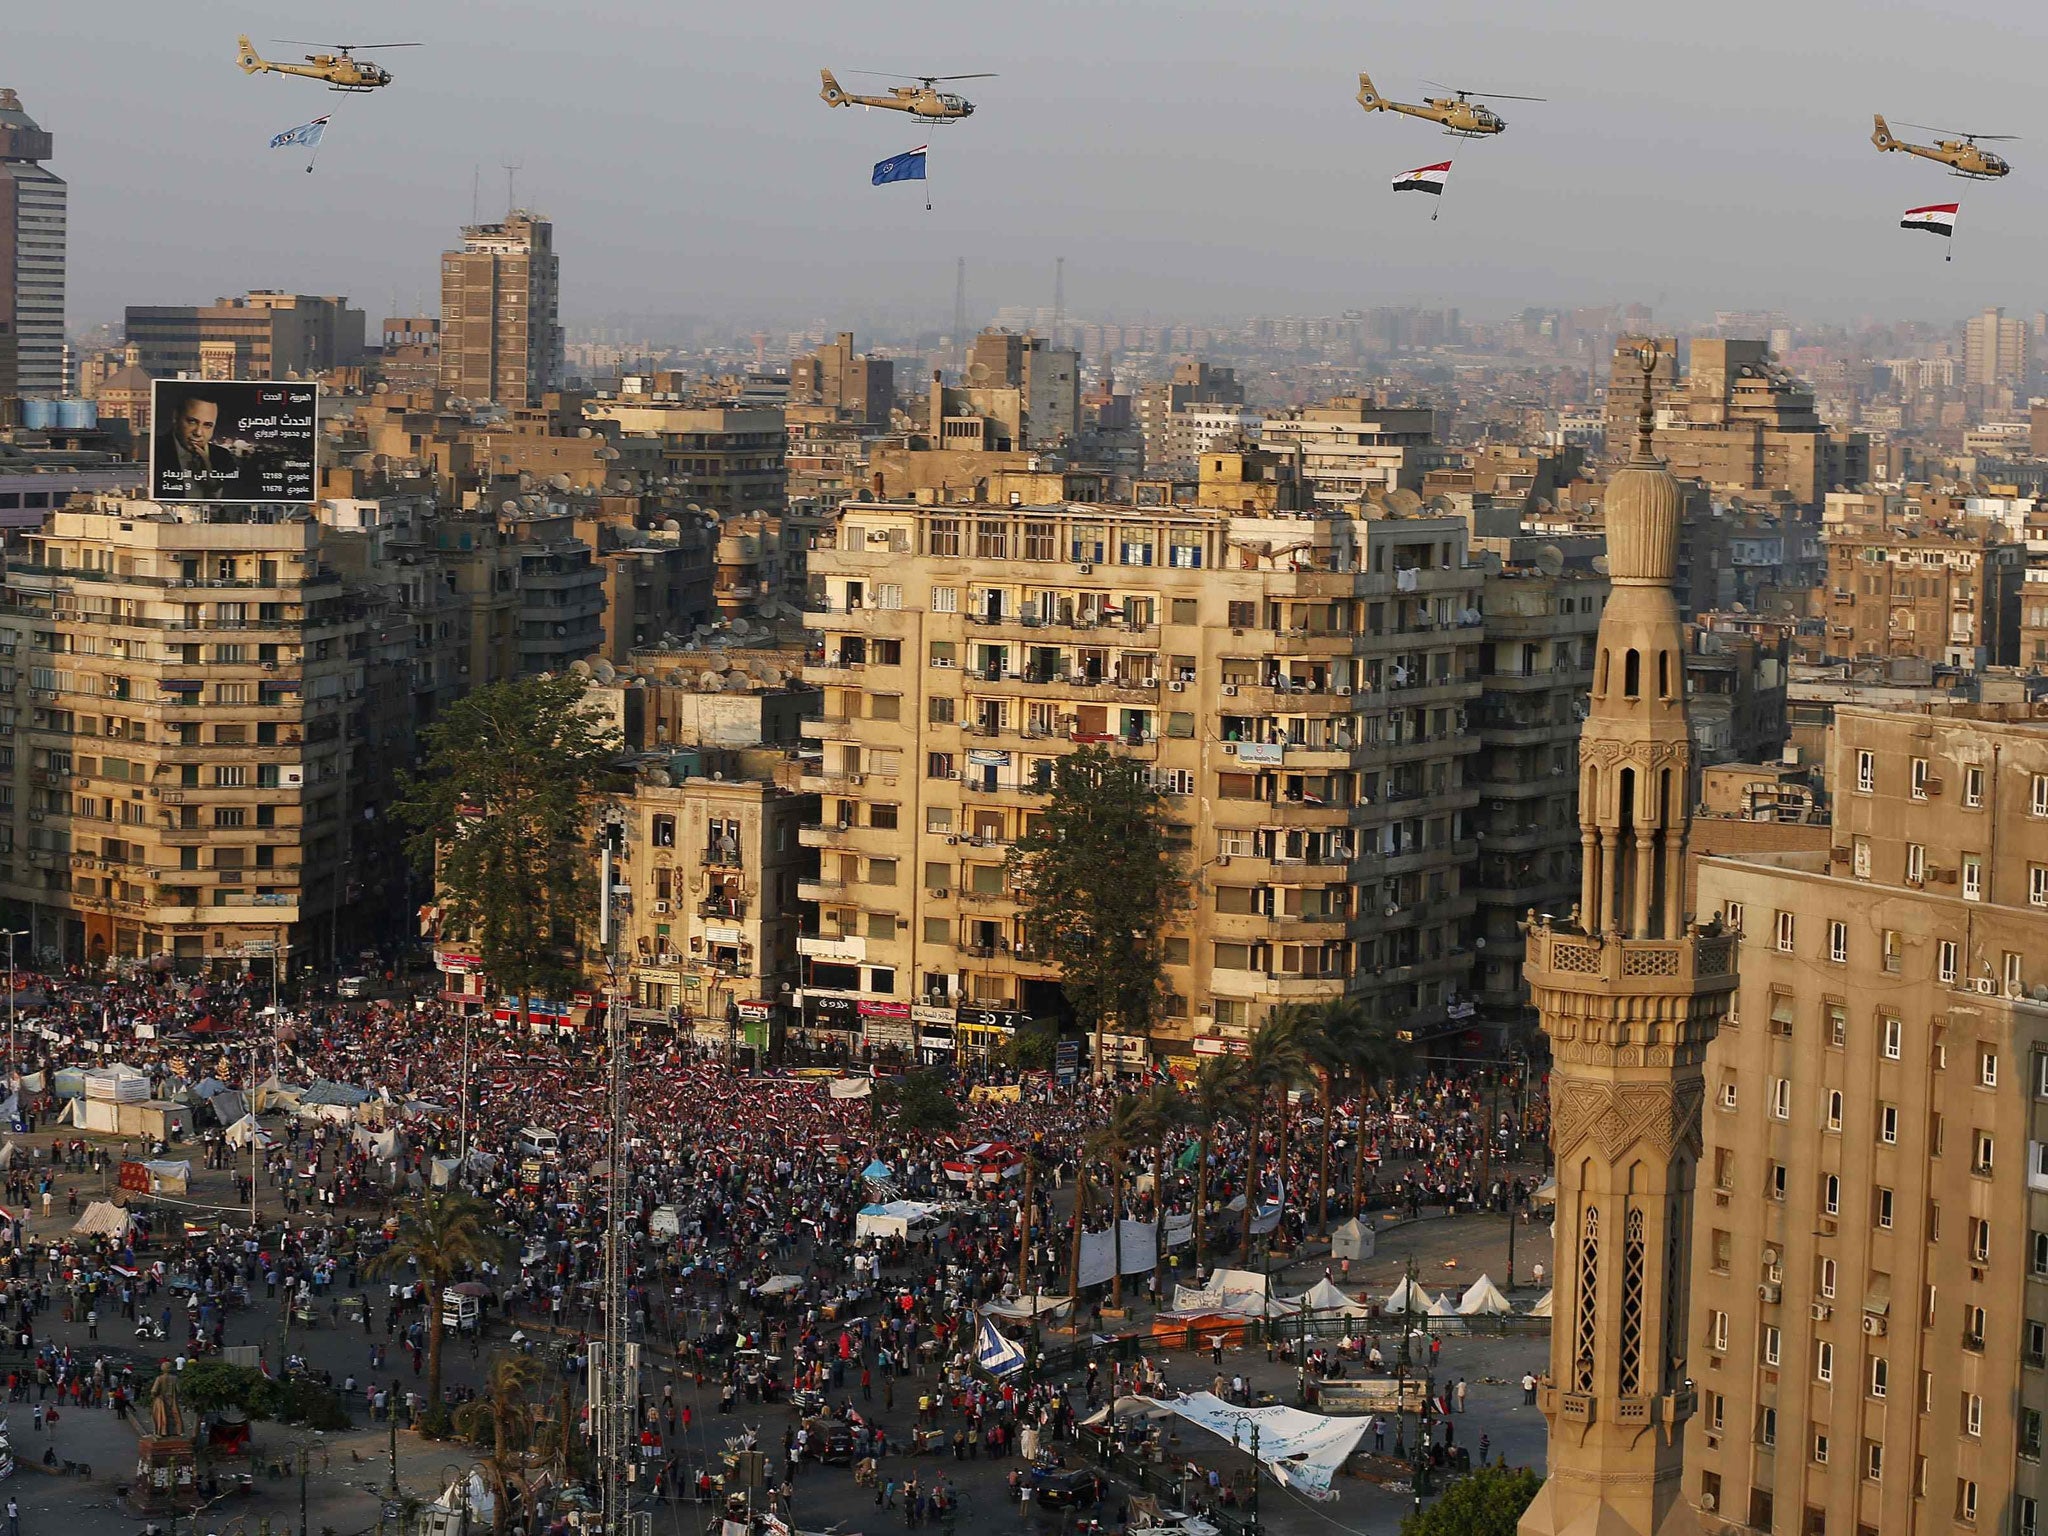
134 1176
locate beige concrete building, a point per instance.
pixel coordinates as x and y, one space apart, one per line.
1994 356
1351 447
182 730
501 331
729 459
852 387
263 334
1909 586
1543 609
1297 685
1869 1334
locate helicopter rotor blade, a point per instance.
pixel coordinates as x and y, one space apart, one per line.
1504 96
1957 133
985 76
300 42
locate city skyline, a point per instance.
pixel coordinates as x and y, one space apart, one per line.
1208 165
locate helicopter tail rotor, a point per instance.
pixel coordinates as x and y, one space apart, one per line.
1882 135
247 57
1368 97
832 95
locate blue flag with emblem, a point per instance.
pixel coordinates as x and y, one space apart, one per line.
908 166
997 1355
306 135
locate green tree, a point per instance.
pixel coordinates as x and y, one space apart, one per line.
1380 1058
1275 1058
1487 1503
1162 1110
500 818
923 1102
441 1236
1097 879
1219 1095
1034 1047
501 1422
1332 1048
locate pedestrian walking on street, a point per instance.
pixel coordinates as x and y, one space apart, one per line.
1528 1389
13 1518
1459 1392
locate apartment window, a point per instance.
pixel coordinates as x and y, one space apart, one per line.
1773 1343
229 816
1781 1098
1731 916
1873 1460
1828 1274
1834 1109
1973 786
1838 942
1894 950
1950 960
1880 1376
1987 1068
1838 1025
1777 1181
1888 1125
1831 1194
1820 1447
1717 1411
1916 863
2040 797
1728 1094
1981 1157
2015 981
881 871
2030 1447
1781 1014
1823 1361
1966 1499
1717 1333
938 765
2030 1511
1920 778
2037 884
1893 1035
1973 1415
1973 1326
1767 1425
1973 877
1866 773
1860 849
1980 1240
1786 929
2037 1264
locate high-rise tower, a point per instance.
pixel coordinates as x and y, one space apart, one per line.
32 246
1630 993
501 333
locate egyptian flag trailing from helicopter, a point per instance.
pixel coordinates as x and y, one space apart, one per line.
1934 219
305 136
1425 178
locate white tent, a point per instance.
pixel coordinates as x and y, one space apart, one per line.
1442 1307
780 1285
1023 1308
102 1219
1325 1299
1353 1239
894 1218
168 1177
1482 1298
245 1129
1247 1291
1542 1307
1406 1297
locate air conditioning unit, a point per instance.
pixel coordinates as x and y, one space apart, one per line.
1177 687
856 780
1770 1294
941 893
1087 569
661 906
1344 691
1708 1502
1230 690
1986 985
951 841
1820 1311
1223 861
1874 1325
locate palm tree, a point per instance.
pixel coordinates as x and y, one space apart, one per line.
441 1236
1379 1055
1164 1110
506 1408
1112 1143
1275 1057
1332 1048
1219 1095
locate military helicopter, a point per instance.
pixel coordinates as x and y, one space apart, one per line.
921 100
1459 115
1960 154
342 70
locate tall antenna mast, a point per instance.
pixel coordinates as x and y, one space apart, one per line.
476 192
616 1380
512 168
960 317
1059 297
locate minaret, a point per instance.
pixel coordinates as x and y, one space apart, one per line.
1630 994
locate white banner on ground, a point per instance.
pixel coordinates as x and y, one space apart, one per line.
1099 1252
1303 1450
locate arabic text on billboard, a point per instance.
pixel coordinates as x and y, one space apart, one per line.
234 441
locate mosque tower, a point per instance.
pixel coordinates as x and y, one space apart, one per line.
1630 994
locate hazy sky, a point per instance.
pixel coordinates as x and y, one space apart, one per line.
1187 157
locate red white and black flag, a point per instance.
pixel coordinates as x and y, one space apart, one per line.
1424 178
1935 218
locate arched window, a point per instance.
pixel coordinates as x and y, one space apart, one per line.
1589 1302
1663 674
1632 675
1632 1304
1601 686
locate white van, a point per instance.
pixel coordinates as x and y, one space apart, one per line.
539 1141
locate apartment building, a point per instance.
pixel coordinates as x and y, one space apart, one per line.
1193 383
1910 586
264 334
183 736
1298 687
729 459
34 243
1870 1306
851 387
1543 607
501 332
1351 447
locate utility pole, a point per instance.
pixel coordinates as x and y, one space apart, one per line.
611 1405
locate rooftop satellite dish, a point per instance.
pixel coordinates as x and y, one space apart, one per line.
606 672
1600 564
583 431
365 462
737 679
1543 505
559 482
622 484
509 508
658 777
1404 502
579 668
1550 560
670 525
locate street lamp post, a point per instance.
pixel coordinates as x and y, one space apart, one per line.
13 1044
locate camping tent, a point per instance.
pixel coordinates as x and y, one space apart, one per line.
1442 1307
1325 1300
242 1131
1245 1290
1542 1307
1024 1307
781 1285
875 1170
168 1178
1482 1298
1406 1297
1354 1239
894 1218
102 1219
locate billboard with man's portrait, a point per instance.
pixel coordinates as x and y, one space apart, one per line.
234 441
